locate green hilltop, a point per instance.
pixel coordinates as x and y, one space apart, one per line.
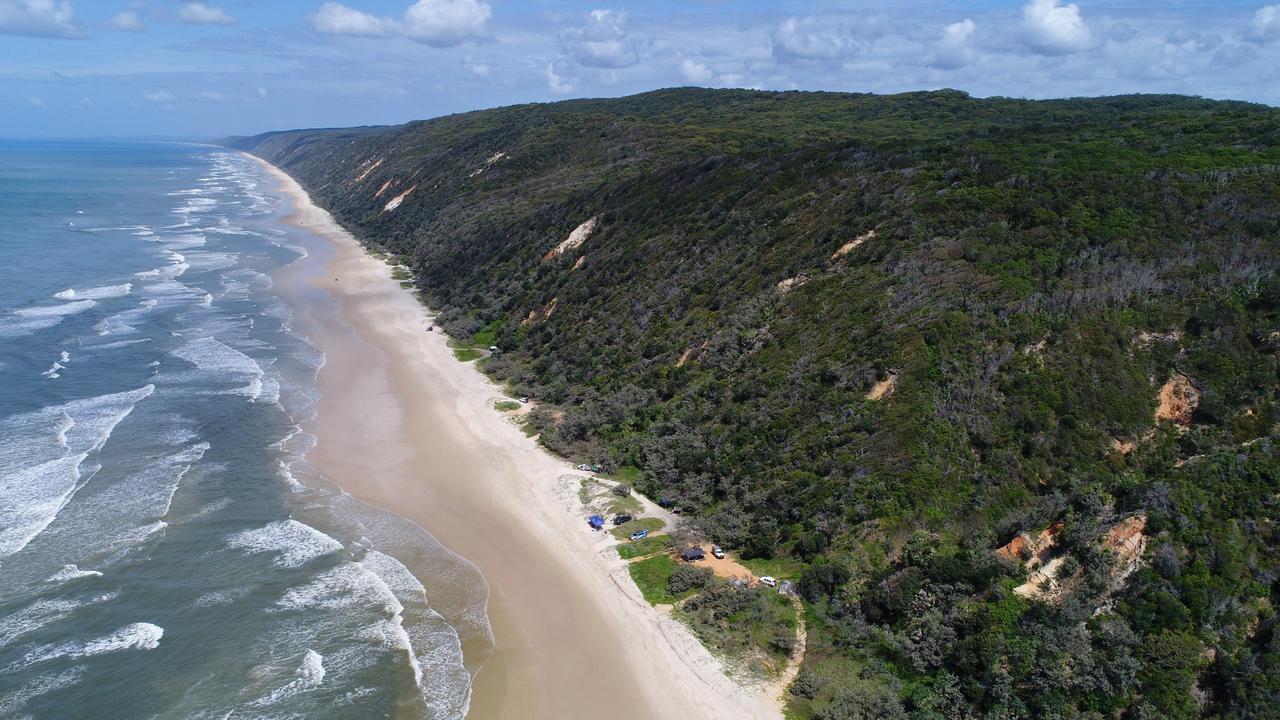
998 378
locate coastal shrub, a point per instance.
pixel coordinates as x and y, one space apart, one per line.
688 577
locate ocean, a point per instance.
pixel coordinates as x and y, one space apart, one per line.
166 551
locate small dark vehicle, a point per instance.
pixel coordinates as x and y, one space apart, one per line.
620 519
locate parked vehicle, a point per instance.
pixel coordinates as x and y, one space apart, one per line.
524 400
639 535
769 581
620 519
584 467
717 552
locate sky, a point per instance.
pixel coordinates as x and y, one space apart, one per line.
203 70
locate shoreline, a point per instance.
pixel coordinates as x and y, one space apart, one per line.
403 425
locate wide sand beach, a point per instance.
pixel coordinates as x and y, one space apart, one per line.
403 425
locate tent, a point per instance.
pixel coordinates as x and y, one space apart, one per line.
596 522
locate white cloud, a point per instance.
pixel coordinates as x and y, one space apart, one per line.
439 23
1265 25
446 23
197 13
695 72
39 18
560 84
338 19
127 20
820 38
36 102
158 96
954 48
602 42
1056 29
479 69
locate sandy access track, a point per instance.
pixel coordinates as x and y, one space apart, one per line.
403 425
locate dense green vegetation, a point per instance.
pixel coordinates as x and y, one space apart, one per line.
1029 273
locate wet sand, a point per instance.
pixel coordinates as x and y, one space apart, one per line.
401 424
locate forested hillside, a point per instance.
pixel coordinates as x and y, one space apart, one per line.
1001 377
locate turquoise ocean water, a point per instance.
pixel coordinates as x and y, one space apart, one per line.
165 551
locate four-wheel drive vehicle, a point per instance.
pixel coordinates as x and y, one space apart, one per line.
639 535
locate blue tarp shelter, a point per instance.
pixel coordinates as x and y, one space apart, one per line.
596 522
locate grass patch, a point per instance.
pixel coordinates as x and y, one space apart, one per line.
486 336
623 531
651 574
628 475
407 285
401 273
467 354
506 405
783 568
647 546
528 428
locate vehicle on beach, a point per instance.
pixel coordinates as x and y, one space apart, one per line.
639 535
584 467
769 581
621 518
524 400
716 552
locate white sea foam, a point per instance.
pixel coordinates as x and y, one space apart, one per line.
224 362
97 293
134 636
345 585
294 543
116 345
41 459
31 319
42 684
58 311
176 267
71 572
41 613
310 674
205 260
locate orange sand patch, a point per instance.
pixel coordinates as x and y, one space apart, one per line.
394 202
368 170
1178 400
786 286
884 388
850 246
575 239
382 189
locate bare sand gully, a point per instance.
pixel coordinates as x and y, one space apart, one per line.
403 425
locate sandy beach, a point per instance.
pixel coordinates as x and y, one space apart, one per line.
403 425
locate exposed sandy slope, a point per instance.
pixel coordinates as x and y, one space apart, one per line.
401 424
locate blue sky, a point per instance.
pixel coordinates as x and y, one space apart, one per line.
206 69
